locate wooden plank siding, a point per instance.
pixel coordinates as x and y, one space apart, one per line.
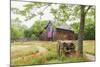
64 34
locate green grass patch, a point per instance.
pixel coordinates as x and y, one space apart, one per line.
45 58
74 59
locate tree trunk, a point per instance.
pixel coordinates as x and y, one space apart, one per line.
81 30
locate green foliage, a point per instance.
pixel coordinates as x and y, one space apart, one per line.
14 33
61 14
27 33
34 31
38 60
38 26
34 37
45 58
75 27
50 55
26 12
17 30
89 30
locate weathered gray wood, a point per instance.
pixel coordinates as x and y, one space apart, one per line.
64 47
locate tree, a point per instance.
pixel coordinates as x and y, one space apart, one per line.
28 12
81 28
62 14
17 30
89 29
38 26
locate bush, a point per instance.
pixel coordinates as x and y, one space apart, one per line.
38 60
34 37
50 56
45 58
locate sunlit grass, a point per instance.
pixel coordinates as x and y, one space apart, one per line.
89 47
21 52
25 60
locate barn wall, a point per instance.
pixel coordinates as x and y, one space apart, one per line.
58 35
64 35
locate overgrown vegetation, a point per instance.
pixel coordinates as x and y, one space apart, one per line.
21 53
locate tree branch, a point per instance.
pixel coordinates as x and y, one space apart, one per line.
33 15
44 10
87 9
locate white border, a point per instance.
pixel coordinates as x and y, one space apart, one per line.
84 2
5 33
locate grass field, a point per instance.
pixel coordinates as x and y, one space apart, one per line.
89 47
22 53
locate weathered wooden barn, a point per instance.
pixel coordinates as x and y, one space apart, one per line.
60 33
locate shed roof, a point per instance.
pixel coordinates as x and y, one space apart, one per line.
64 26
65 30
